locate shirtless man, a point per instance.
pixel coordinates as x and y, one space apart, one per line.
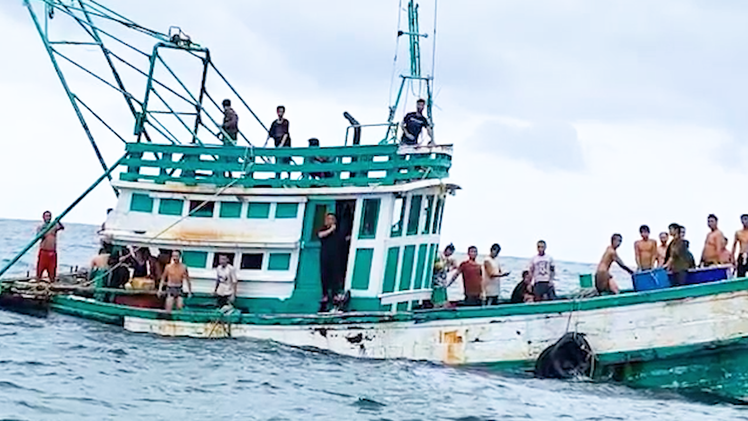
645 250
175 274
741 238
714 244
48 247
603 281
662 249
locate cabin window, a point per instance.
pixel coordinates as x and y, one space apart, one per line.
141 203
230 210
437 226
216 256
286 210
258 210
429 214
251 261
170 207
398 216
415 214
369 217
279 261
195 259
201 208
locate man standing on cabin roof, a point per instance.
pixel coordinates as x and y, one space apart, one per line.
226 282
714 245
47 260
543 271
413 123
662 249
492 275
332 243
472 278
280 134
741 238
175 274
645 250
230 125
603 280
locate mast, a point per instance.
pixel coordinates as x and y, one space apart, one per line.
414 43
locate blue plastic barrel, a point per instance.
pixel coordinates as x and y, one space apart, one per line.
648 280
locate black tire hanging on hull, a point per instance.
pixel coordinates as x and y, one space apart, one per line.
570 357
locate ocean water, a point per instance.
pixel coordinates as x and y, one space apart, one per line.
63 368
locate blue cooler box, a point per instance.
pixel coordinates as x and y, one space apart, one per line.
650 279
704 275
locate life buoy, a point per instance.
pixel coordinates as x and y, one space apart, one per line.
570 357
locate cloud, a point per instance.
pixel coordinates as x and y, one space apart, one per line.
546 145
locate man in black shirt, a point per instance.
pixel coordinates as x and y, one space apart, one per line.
279 130
413 123
279 133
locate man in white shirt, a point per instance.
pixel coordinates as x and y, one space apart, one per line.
226 282
543 271
492 275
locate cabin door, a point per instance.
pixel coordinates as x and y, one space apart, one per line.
308 290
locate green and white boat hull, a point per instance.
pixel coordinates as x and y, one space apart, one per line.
691 338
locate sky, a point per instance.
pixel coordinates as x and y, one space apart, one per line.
570 120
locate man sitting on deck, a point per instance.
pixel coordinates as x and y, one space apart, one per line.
645 250
48 248
175 274
603 280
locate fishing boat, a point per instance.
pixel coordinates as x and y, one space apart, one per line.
262 208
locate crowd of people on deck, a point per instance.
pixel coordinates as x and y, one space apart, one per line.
482 281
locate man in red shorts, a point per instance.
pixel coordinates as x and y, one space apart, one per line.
48 248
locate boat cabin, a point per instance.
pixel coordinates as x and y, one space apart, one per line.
262 208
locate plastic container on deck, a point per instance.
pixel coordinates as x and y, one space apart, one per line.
650 280
705 275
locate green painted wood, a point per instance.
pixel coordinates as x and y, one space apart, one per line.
279 261
141 203
438 212
390 269
258 210
286 210
397 227
402 306
207 164
311 281
362 269
406 271
414 217
420 265
173 207
195 259
231 210
433 250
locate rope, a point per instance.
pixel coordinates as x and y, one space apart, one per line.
397 48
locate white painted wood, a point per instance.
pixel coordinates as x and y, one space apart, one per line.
504 339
